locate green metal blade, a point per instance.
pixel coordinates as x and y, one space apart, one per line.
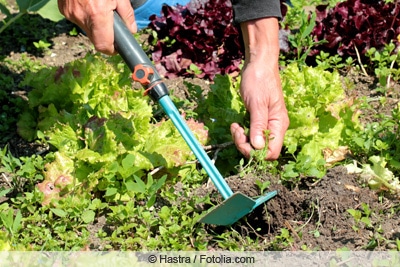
229 211
234 208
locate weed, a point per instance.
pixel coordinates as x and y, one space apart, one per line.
258 164
42 45
302 41
385 62
10 222
73 32
262 185
326 61
361 216
283 240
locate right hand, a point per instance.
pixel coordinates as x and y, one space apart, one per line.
96 18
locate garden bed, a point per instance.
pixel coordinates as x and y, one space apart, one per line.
310 215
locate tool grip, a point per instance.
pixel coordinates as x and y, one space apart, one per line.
133 55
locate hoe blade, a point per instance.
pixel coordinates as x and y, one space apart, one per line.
234 208
229 211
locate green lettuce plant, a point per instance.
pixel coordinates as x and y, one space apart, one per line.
103 131
321 117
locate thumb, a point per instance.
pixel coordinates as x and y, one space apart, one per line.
258 125
125 11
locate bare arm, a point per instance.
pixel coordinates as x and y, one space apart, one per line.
261 89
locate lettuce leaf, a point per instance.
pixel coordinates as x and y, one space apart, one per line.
90 115
319 113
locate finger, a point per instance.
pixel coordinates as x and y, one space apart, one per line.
241 140
99 21
101 32
258 125
276 138
125 11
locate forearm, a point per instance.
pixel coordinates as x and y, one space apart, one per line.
261 40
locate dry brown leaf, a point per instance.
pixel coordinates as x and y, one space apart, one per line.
352 188
337 155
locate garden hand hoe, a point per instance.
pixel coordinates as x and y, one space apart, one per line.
235 206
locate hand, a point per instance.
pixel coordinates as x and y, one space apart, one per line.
96 17
261 90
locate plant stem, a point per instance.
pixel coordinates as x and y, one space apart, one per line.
359 61
12 20
390 74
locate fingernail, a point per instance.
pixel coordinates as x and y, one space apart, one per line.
259 142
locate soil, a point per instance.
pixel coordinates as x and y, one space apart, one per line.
316 211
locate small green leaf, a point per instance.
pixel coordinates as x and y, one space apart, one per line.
367 221
151 201
48 9
165 213
317 234
88 216
17 222
59 212
355 213
5 192
111 191
134 187
7 219
141 185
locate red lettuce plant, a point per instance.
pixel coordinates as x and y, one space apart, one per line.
201 33
356 24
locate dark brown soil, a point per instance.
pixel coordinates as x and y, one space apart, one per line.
315 213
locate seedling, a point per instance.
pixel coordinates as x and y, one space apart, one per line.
10 222
41 45
361 216
262 185
385 61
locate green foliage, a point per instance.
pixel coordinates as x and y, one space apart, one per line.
319 117
224 105
378 143
41 45
325 61
302 41
10 222
166 228
46 8
385 63
282 240
88 112
258 164
218 110
23 171
105 140
361 216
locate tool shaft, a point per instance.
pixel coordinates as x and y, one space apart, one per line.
194 145
133 55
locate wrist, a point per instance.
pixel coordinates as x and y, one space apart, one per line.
261 39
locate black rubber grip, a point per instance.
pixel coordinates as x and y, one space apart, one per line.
137 3
133 55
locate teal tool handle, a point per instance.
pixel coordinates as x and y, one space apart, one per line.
134 56
195 146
